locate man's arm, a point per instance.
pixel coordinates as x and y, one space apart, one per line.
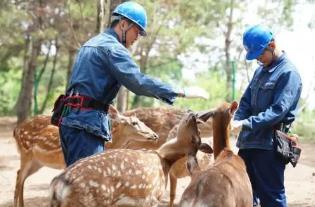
244 109
126 71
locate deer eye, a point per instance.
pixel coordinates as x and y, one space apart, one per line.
134 123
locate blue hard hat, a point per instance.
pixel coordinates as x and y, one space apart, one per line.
255 40
135 13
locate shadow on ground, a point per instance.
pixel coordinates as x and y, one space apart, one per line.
31 202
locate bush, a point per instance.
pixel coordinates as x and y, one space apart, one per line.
304 125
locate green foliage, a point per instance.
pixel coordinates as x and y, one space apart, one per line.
213 83
174 26
9 90
304 125
277 13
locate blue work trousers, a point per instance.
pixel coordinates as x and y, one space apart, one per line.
266 173
77 144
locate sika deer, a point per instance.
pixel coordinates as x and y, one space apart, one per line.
164 121
226 183
39 144
124 176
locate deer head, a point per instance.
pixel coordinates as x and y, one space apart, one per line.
129 130
187 142
221 117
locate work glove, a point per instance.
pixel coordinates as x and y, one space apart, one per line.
236 125
193 92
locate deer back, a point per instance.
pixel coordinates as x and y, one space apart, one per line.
115 177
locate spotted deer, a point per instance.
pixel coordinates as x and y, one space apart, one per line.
39 145
226 182
164 121
124 177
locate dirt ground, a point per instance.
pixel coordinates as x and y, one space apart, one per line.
299 181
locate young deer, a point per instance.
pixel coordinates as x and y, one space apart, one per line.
226 183
39 144
179 170
164 121
123 176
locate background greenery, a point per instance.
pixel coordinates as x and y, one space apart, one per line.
180 33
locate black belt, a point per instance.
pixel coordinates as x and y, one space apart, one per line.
85 102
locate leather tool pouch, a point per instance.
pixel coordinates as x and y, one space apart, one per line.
58 110
286 148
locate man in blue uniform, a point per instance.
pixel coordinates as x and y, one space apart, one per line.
102 65
270 101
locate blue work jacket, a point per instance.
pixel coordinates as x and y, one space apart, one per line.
102 65
270 98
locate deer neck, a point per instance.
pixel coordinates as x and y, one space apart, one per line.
116 133
171 151
220 139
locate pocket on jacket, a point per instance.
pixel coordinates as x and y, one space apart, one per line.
266 93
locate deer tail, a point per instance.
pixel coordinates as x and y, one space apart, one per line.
59 191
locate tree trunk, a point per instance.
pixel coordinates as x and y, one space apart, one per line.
122 97
23 106
227 47
38 79
113 5
71 54
51 78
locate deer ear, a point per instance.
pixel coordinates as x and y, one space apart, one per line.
113 112
205 115
233 107
205 148
199 121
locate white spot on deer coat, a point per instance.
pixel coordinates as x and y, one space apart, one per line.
122 165
114 168
127 184
103 187
93 183
118 184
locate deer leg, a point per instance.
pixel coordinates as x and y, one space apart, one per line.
173 183
26 170
25 162
16 188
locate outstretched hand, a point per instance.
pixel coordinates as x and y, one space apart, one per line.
195 92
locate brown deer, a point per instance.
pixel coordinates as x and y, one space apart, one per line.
39 144
226 183
164 121
161 119
179 170
125 177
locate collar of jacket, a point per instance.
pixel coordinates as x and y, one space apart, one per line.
273 66
112 32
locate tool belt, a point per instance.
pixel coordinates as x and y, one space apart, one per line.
286 146
64 103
